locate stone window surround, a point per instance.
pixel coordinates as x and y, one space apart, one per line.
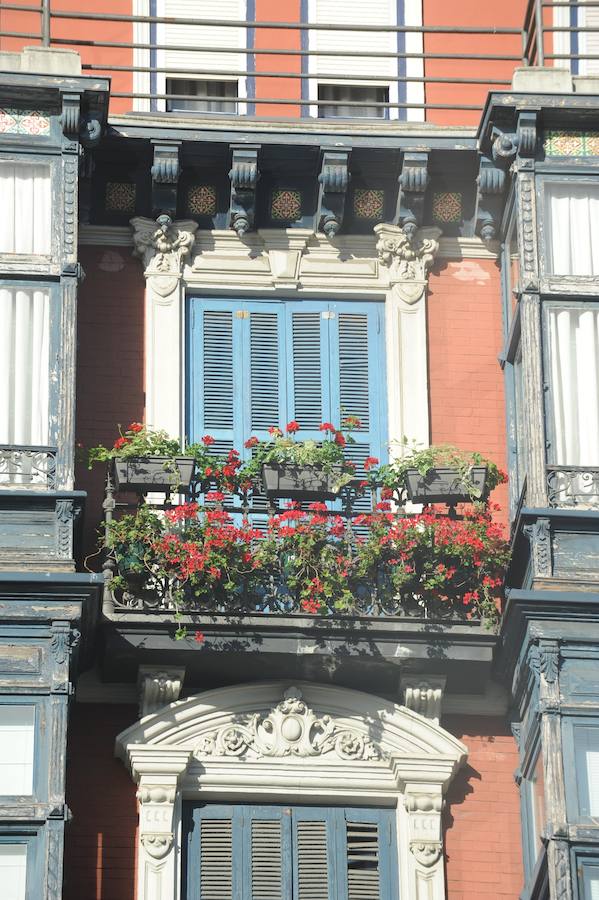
179 260
241 743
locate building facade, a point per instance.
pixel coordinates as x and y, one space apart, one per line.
232 217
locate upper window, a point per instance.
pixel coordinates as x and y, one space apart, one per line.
305 852
204 96
25 224
342 98
572 221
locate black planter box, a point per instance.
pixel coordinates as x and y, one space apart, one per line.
300 482
445 485
153 473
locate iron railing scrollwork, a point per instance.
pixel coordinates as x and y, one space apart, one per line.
28 467
573 487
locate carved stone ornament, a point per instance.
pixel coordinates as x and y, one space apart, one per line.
163 245
158 687
64 639
424 695
407 257
426 853
424 811
157 845
544 659
290 729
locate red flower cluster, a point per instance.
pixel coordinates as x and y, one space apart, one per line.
292 427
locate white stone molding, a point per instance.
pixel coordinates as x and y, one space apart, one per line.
408 258
157 687
162 246
305 743
424 694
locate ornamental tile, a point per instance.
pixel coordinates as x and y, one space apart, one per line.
447 206
286 205
369 204
201 200
120 197
23 121
571 143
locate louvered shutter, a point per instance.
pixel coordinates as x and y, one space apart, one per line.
267 853
588 40
366 853
213 849
350 12
314 851
182 63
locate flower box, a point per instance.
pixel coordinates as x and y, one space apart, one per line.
446 485
301 482
153 473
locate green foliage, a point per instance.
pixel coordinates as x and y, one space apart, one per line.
136 441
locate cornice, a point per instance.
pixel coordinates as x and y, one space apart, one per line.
455 248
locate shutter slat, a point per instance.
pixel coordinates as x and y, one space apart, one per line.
354 393
218 369
216 859
264 370
266 859
312 860
363 864
307 369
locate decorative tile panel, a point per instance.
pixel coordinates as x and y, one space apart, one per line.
23 121
120 197
369 204
201 200
571 143
447 206
286 205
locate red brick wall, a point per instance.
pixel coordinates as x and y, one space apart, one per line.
100 841
467 405
482 815
110 365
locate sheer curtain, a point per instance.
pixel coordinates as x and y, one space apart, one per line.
24 365
25 224
572 217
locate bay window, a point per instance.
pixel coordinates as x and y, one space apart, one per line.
571 214
25 225
17 730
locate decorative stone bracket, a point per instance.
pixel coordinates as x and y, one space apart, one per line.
489 201
413 182
244 177
333 180
408 258
158 687
424 808
424 695
165 176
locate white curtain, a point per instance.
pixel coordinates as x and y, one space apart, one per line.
24 365
572 217
13 869
25 224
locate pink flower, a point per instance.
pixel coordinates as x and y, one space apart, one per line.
199 638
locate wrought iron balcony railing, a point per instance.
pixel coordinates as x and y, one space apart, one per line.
573 487
28 467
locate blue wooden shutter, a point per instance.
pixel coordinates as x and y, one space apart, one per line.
214 847
314 854
367 854
266 853
308 396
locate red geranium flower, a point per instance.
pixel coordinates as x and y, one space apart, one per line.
339 439
199 638
120 443
136 427
251 442
292 427
327 426
275 430
370 461
207 440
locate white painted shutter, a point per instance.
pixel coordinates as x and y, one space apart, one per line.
589 40
350 12
183 63
24 365
25 224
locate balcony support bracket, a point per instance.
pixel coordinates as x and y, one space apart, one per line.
333 183
244 175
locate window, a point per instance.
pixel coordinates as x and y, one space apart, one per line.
199 92
24 364
280 852
17 727
260 363
25 225
572 336
346 95
572 217
13 870
590 882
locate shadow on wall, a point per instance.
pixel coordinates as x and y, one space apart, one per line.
100 862
481 819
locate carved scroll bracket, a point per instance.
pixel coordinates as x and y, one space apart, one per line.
244 175
333 183
413 183
407 257
157 687
424 695
163 245
424 804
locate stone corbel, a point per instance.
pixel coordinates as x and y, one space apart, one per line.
158 782
526 134
413 183
424 804
165 176
69 117
333 183
408 257
158 687
163 246
424 695
244 175
285 250
489 202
